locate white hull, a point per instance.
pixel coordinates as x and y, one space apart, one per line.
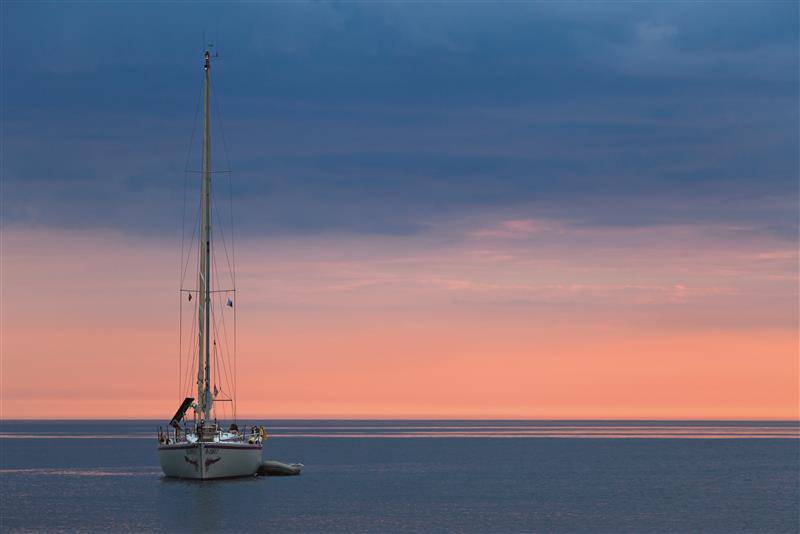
207 460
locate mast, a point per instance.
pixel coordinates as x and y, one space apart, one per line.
204 296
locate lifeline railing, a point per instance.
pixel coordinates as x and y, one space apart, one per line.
174 435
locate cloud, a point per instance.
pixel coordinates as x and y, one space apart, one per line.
375 118
516 229
650 33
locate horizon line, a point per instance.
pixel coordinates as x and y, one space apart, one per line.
695 419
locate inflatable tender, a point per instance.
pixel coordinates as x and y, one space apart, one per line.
274 468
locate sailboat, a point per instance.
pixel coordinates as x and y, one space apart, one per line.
203 448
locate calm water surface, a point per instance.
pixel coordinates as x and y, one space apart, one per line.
431 476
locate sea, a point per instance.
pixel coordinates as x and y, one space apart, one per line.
415 476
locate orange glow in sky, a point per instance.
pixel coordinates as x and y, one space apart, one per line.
510 318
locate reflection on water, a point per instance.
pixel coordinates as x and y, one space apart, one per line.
81 472
209 501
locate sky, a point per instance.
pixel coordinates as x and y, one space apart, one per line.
571 210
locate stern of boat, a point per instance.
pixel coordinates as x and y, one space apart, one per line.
203 461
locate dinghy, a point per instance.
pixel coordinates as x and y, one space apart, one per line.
274 468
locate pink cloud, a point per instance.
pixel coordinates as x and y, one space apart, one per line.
392 304
515 229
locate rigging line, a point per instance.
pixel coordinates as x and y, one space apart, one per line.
217 108
191 376
227 348
221 129
229 173
225 336
180 343
224 329
220 228
194 349
183 238
186 166
187 256
180 370
222 307
191 357
195 228
183 278
182 272
191 247
223 368
213 315
194 126
217 349
216 365
224 240
233 242
229 370
188 363
225 383
236 302
225 247
235 376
